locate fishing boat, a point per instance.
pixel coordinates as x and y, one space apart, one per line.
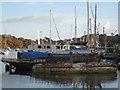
57 49
67 48
45 50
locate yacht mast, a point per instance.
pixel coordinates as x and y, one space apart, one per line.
88 25
38 38
90 33
50 24
5 39
71 32
55 26
103 30
75 26
105 38
95 28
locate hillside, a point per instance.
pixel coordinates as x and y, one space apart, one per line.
21 42
14 42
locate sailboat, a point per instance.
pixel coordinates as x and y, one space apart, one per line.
5 50
45 50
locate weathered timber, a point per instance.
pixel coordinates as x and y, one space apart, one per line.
89 60
22 64
92 67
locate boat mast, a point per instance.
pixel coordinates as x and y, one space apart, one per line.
71 32
41 37
84 38
95 28
50 24
38 38
5 39
103 30
88 25
98 36
90 33
75 26
105 38
55 26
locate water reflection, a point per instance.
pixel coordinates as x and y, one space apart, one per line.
118 76
76 81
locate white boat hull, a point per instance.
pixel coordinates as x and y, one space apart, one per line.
5 52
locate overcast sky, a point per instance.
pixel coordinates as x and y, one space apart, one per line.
26 19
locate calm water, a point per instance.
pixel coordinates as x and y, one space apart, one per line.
56 81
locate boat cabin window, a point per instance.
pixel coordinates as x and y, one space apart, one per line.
48 47
57 47
39 46
64 47
44 46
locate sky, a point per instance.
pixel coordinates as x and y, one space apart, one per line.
26 19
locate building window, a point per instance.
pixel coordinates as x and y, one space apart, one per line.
57 47
64 47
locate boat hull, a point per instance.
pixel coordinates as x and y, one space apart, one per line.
5 52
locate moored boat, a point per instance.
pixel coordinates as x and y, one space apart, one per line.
5 51
46 50
17 49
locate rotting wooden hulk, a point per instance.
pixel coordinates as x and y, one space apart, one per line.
89 62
